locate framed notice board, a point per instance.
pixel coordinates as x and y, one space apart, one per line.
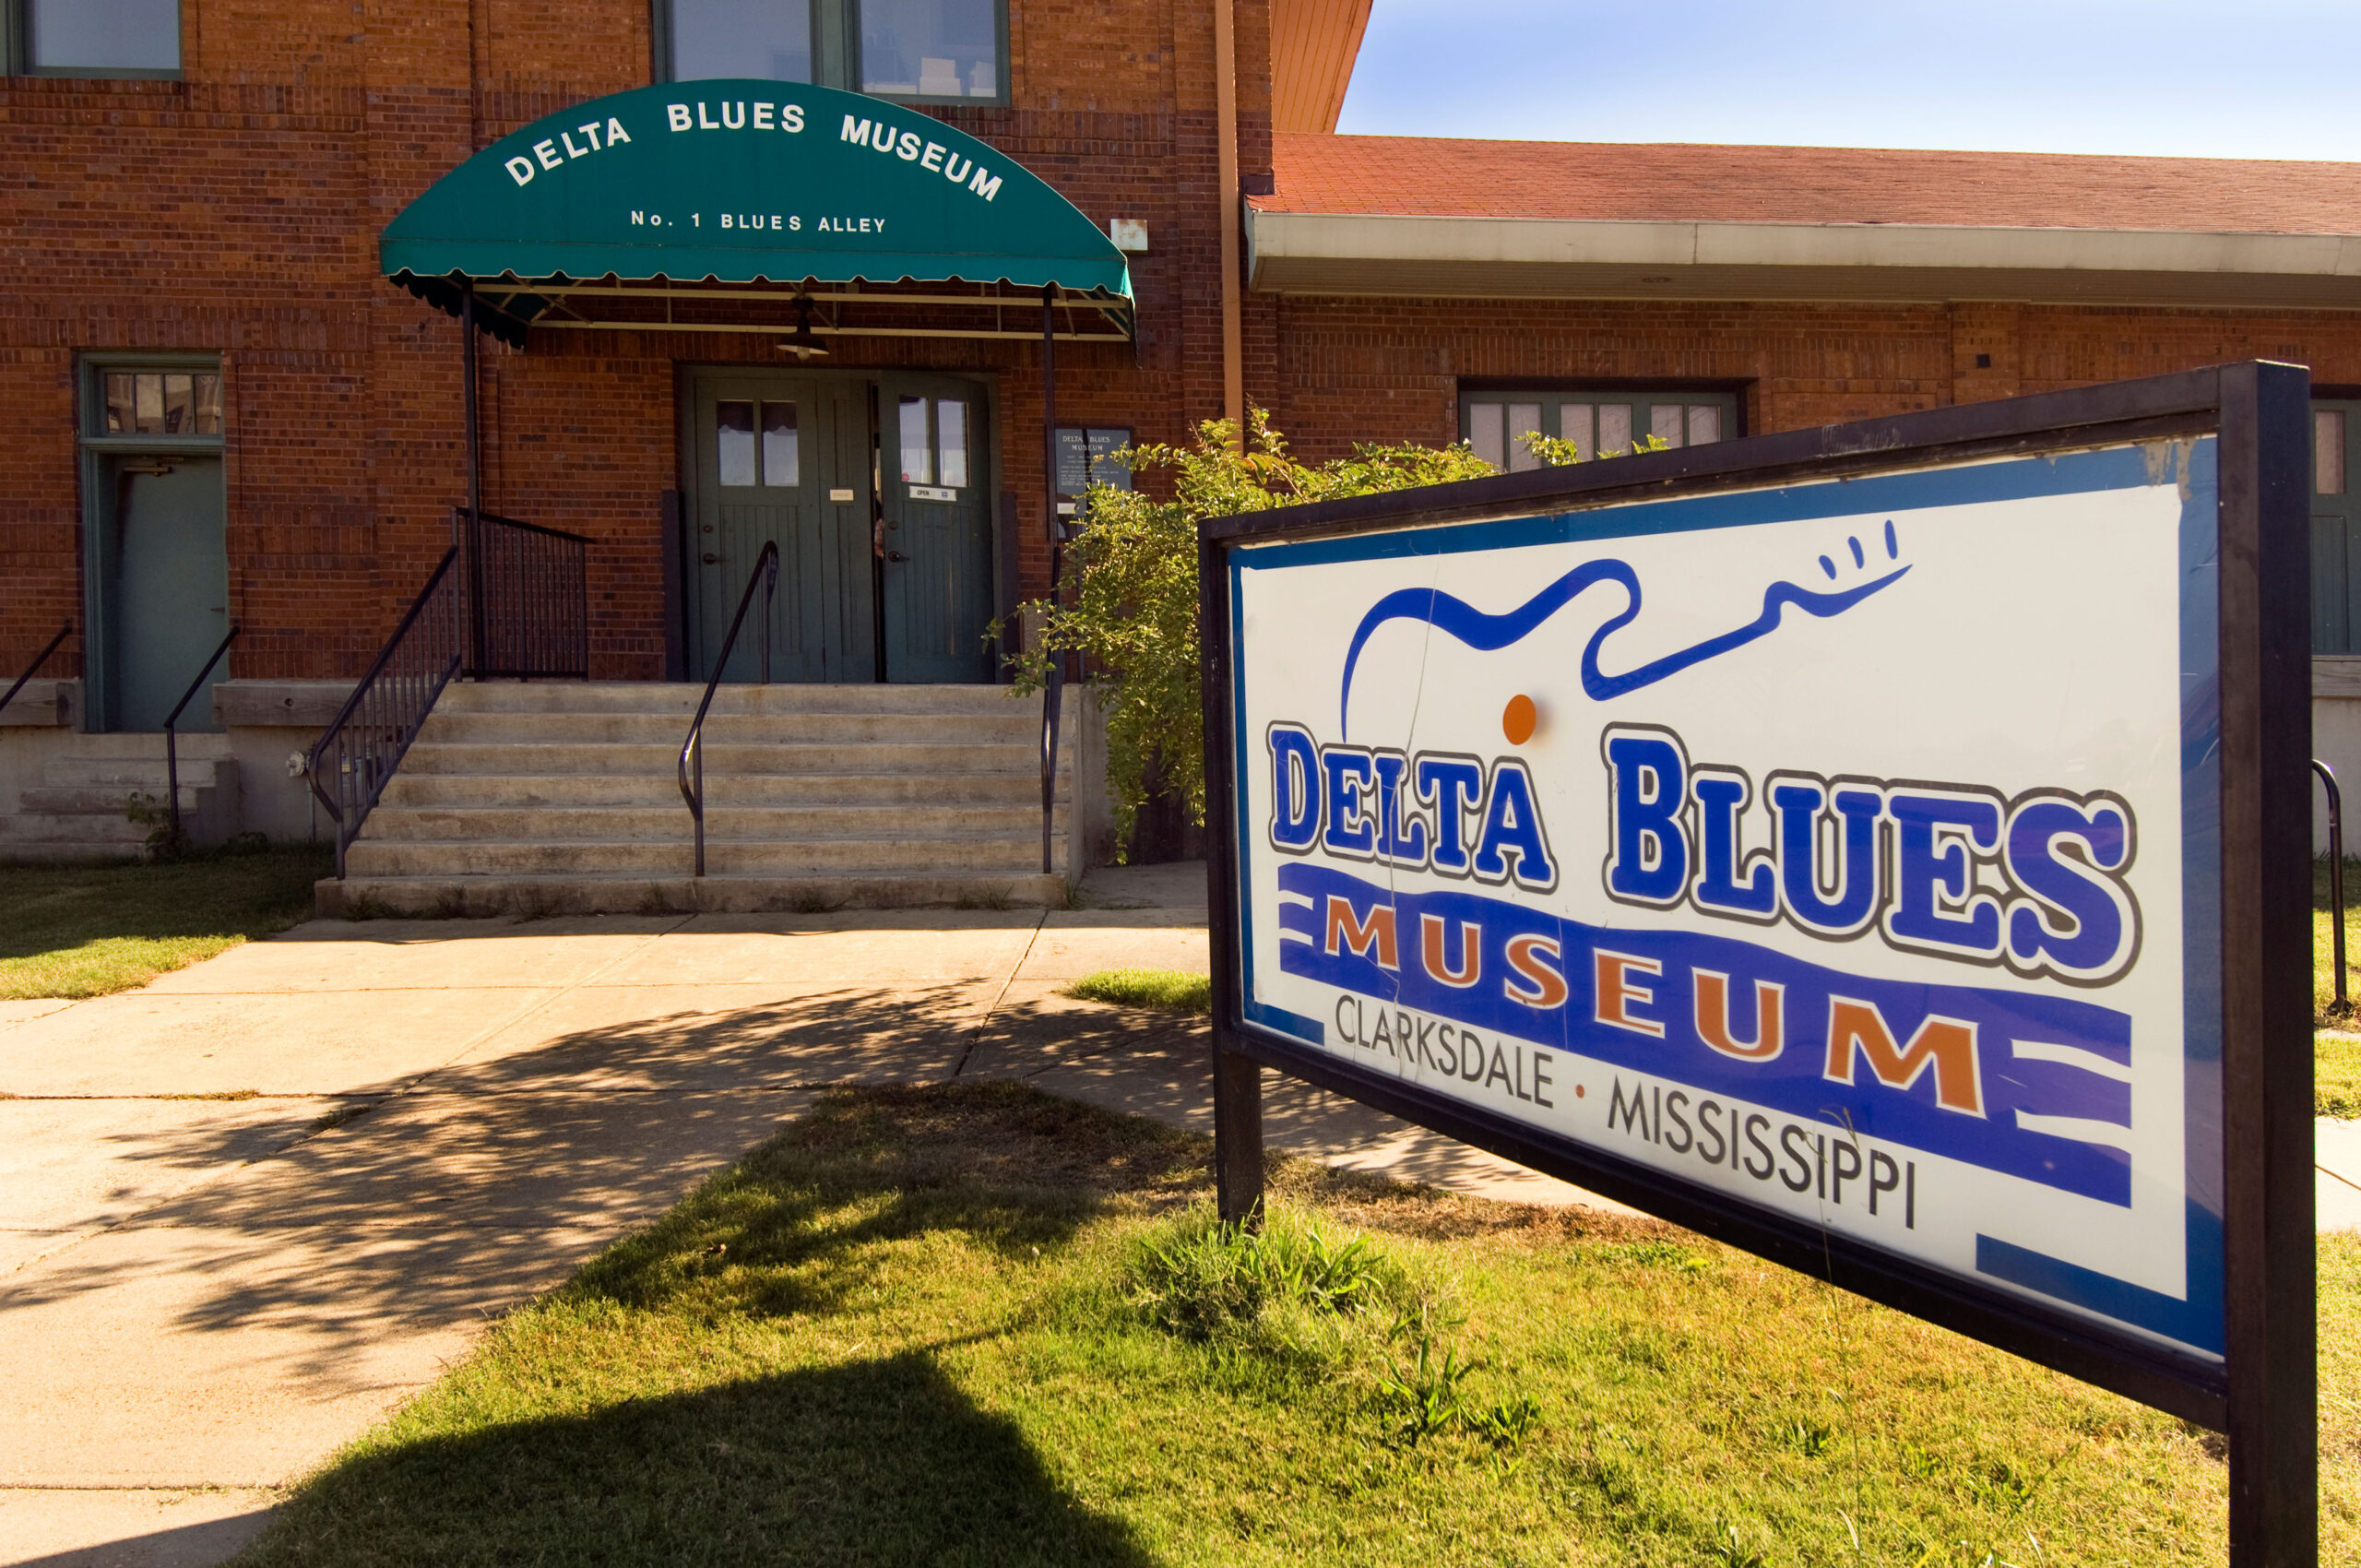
1883 848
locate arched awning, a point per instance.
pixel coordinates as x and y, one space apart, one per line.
706 204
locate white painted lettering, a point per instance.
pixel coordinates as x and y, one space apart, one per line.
792 116
590 131
704 121
676 112
521 170
910 147
933 156
795 224
740 122
572 150
986 188
762 116
615 132
856 131
547 152
640 219
956 169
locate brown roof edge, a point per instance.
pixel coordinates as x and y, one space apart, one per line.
1420 176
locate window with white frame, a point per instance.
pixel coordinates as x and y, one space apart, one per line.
90 38
920 51
1600 422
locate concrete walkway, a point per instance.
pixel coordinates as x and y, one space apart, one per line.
248 1210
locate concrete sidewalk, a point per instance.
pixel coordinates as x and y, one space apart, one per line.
246 1210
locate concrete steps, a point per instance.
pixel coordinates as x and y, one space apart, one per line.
78 810
565 797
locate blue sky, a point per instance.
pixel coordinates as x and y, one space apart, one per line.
2249 78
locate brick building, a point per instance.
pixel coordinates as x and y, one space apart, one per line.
223 410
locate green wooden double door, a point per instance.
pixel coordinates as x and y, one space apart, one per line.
876 493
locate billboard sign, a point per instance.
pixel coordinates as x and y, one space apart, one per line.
1817 841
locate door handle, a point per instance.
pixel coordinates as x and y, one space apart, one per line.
711 559
896 555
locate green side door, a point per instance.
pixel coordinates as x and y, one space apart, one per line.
937 528
164 589
781 459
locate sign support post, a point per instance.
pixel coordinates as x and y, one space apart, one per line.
1947 936
1237 1078
2269 1249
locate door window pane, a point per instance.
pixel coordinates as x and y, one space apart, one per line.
1577 422
734 442
1524 419
100 35
147 402
1704 424
1663 423
951 441
781 462
1613 428
770 39
1484 421
917 454
2328 451
931 48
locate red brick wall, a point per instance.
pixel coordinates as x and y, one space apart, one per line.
236 212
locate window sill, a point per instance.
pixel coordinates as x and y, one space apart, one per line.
95 73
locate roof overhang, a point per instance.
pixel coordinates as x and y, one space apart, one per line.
1345 253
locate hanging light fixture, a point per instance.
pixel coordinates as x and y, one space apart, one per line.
804 344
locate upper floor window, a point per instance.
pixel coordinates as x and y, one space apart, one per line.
1599 422
93 38
2336 526
923 51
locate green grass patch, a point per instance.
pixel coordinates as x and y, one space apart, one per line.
2336 1070
87 930
1168 990
974 1324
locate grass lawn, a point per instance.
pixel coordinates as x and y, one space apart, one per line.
88 929
1165 990
2336 1072
977 1325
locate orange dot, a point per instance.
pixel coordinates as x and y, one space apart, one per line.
1578 1091
1517 720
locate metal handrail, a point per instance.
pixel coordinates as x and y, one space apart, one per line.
527 593
39 659
171 738
377 705
2335 873
765 577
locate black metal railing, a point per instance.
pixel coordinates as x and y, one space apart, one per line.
350 764
2335 875
172 735
39 659
766 577
1052 709
528 599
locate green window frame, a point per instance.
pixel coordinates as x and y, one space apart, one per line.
2336 525
19 45
1600 416
836 54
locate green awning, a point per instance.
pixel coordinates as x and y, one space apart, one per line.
665 191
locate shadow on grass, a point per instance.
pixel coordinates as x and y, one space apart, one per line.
876 1462
862 1459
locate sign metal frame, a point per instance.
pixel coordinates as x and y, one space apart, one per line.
2263 1394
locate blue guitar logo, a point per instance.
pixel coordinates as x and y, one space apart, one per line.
1486 634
